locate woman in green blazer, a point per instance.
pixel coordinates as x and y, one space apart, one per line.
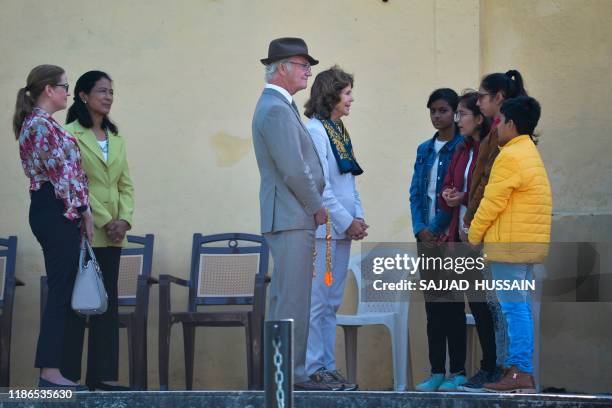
111 195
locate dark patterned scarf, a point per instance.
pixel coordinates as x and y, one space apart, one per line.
341 146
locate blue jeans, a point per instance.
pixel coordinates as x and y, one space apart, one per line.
516 308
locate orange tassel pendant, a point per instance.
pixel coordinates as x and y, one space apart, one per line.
328 278
328 273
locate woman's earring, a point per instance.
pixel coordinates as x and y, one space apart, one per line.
84 101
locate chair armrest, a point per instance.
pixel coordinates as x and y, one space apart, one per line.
165 279
151 280
165 305
19 282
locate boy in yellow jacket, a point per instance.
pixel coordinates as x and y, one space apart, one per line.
513 219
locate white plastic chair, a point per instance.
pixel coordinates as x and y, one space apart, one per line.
392 313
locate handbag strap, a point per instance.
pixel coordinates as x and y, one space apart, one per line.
82 254
85 247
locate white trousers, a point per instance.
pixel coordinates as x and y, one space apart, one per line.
324 303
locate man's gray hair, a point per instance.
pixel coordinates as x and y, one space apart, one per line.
273 67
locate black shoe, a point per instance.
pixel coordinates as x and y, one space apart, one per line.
322 376
337 374
476 383
100 386
42 383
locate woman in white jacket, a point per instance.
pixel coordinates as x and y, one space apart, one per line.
330 99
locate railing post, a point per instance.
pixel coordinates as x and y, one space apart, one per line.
278 363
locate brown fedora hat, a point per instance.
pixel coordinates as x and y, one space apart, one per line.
286 47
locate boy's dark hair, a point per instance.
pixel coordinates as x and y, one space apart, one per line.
445 94
524 111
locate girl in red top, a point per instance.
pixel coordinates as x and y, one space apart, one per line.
474 126
59 209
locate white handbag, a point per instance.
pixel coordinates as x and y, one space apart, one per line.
89 295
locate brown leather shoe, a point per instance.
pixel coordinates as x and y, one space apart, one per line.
514 381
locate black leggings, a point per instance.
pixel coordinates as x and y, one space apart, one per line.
446 319
445 312
446 324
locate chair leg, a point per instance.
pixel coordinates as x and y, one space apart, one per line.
350 351
398 351
4 363
142 382
189 342
409 383
472 351
165 330
257 353
248 329
536 305
139 359
130 348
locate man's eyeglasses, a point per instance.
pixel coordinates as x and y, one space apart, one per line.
459 115
65 86
305 67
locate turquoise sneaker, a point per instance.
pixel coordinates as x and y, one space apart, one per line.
431 384
452 382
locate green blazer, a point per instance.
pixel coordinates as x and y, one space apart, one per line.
111 192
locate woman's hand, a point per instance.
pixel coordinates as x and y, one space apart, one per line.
117 229
87 225
446 193
452 197
463 234
425 235
357 229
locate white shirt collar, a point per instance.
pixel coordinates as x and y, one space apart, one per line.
282 90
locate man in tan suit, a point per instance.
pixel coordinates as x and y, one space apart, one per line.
290 193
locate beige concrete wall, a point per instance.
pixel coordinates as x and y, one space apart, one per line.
187 78
564 50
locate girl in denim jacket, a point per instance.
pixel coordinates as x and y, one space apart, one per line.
445 319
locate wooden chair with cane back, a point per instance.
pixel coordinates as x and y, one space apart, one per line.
226 270
8 282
